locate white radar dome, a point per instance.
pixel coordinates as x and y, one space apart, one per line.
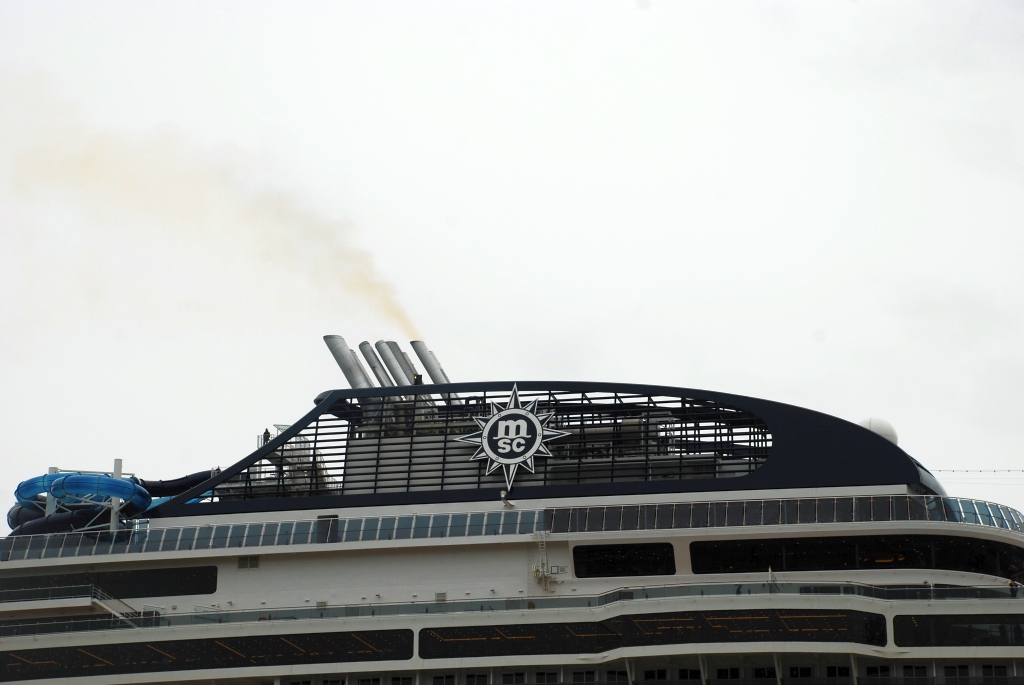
882 427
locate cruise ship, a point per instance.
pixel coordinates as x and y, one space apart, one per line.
413 531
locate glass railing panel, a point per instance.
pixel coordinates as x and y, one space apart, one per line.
353 530
253 535
595 519
187 539
577 519
771 512
826 509
36 545
648 517
881 509
476 522
170 542
421 526
86 545
970 512
387 528
53 542
509 522
71 544
699 515
984 514
439 525
936 512
153 541
918 508
844 509
808 511
403 528
370 528
997 516
752 513
716 514
613 518
630 518
664 516
734 514
301 532
790 511
137 541
900 510
236 535
269 535
492 523
951 506
458 525
527 522
861 509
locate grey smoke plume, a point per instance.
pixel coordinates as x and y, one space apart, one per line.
172 185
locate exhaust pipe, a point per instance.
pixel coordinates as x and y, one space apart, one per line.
391 362
433 367
354 372
378 369
403 360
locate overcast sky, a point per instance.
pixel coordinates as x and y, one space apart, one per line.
816 203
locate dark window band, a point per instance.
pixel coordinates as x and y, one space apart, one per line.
155 582
608 561
688 627
944 552
971 630
188 655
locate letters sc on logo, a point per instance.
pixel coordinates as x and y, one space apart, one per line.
512 436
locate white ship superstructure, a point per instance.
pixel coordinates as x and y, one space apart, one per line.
514 533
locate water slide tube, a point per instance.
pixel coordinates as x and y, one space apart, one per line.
28 517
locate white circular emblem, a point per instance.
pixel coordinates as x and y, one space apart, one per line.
512 436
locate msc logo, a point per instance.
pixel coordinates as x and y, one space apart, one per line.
512 436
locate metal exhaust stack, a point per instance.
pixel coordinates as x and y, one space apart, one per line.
378 369
388 357
354 372
433 367
403 360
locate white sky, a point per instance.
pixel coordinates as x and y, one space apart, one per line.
817 203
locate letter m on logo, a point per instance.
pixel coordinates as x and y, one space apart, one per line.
512 428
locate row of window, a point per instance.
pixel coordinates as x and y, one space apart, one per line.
331 529
154 582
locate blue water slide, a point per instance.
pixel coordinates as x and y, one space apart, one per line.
29 490
135 498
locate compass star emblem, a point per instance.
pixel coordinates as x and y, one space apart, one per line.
512 436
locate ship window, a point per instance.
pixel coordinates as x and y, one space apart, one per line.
248 562
513 678
368 681
728 673
403 528
421 526
458 528
799 672
353 530
877 671
837 672
341 681
158 582
509 521
370 528
444 680
584 676
398 680
476 679
301 534
616 677
476 524
957 671
915 672
689 674
656 674
492 522
439 526
387 528
526 521
765 672
967 630
546 677
993 671
606 561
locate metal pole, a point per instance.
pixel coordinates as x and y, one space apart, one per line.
115 503
51 501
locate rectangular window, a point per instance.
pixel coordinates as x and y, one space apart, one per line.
655 674
476 679
368 681
956 672
877 671
401 680
616 677
340 681
915 672
248 562
607 561
444 680
518 678
837 672
993 671
584 676
764 673
959 630
546 677
732 673
689 674
801 672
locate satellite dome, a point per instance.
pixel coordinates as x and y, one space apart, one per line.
882 427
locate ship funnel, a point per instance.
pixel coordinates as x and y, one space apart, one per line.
354 372
378 369
433 367
392 363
